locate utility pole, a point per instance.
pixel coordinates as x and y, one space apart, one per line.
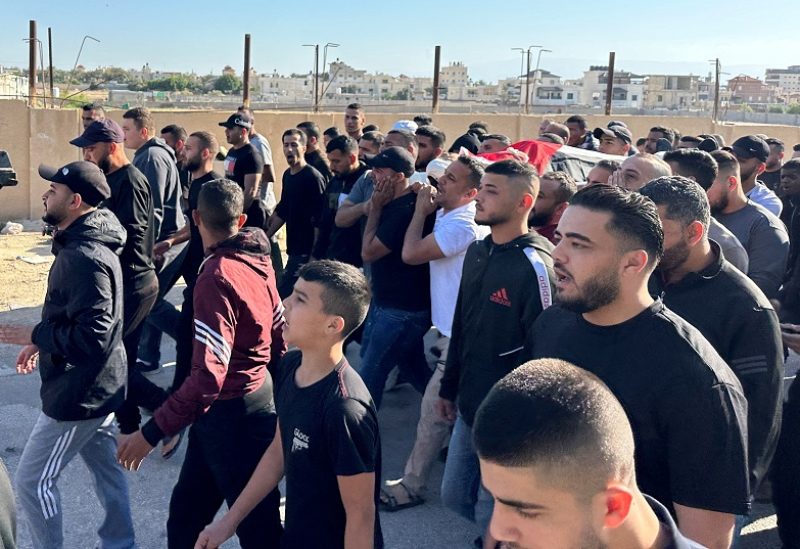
246 73
316 78
716 89
32 64
50 50
436 58
536 76
610 83
528 82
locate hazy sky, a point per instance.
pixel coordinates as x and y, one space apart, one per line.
674 36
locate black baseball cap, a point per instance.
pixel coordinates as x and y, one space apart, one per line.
100 131
395 158
238 119
83 178
750 146
620 132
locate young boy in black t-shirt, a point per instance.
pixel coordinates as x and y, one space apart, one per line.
327 443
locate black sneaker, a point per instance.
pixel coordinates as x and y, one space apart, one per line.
144 367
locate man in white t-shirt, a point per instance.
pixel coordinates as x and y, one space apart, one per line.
444 249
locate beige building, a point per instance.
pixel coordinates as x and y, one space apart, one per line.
13 86
671 91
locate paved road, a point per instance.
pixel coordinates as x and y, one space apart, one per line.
427 526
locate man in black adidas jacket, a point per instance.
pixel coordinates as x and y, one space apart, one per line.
81 357
505 285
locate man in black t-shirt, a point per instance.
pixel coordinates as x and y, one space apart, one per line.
302 198
327 443
400 313
314 154
244 165
340 243
686 407
199 152
741 325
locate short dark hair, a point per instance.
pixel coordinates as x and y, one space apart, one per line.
475 168
577 119
796 147
668 134
310 129
695 164
409 138
370 128
478 124
634 218
774 141
94 107
567 187
560 130
791 165
248 112
504 139
641 141
374 136
560 419
177 132
333 131
345 290
423 120
344 144
433 133
355 107
299 133
142 118
220 204
610 165
515 170
207 141
685 200
690 139
725 160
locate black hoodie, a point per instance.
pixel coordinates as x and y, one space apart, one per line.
504 288
81 357
156 160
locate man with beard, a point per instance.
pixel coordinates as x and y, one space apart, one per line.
686 407
761 233
573 465
505 285
656 133
315 154
741 325
430 143
444 250
579 134
131 202
200 150
92 112
701 167
369 145
340 243
555 190
175 136
790 292
78 344
752 152
300 208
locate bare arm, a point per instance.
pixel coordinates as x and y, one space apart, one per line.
274 224
252 189
358 498
264 479
709 528
348 213
268 175
372 249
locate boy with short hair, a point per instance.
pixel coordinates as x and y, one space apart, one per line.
327 442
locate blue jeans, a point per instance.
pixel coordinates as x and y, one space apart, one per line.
50 447
164 316
462 490
393 337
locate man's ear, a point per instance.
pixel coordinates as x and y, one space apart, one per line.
196 217
527 201
242 221
616 501
336 325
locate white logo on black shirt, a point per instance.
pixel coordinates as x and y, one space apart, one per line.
300 441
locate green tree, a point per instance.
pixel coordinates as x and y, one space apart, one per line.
228 83
794 108
776 109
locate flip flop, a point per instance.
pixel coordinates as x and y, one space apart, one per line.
171 452
389 502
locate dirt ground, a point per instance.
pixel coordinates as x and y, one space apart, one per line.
23 284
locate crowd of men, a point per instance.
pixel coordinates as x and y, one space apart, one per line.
609 355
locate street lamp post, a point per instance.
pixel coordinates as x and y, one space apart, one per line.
521 68
325 65
536 71
315 87
528 78
75 67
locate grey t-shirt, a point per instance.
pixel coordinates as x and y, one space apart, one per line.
267 189
362 189
766 241
732 249
761 195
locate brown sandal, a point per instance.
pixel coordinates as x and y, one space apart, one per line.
392 499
